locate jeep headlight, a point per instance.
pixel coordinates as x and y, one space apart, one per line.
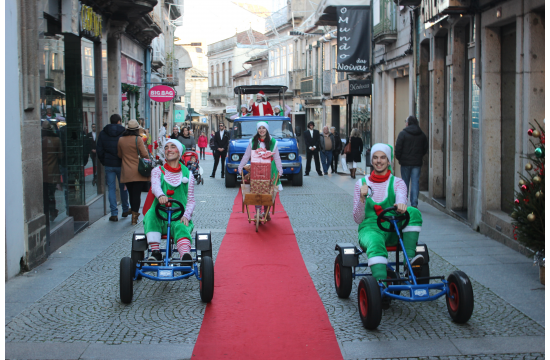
291 156
235 157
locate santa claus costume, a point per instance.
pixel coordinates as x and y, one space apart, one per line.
262 108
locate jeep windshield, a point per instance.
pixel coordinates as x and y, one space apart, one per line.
278 129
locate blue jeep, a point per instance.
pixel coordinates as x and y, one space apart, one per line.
280 128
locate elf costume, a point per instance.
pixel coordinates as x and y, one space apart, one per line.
371 238
181 182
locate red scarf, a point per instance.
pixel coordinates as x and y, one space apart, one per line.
171 169
379 178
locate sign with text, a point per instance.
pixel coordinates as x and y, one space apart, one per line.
352 87
130 71
354 41
162 93
91 23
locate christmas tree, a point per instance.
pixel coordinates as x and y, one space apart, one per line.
528 213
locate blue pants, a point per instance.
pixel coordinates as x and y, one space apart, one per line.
412 174
111 173
326 160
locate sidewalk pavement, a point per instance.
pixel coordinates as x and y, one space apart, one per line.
504 271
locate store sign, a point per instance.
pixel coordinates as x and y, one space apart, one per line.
231 109
353 34
162 93
352 87
130 71
90 23
179 116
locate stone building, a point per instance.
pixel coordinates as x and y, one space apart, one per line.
66 72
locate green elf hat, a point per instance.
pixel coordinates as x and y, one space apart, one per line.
262 123
386 149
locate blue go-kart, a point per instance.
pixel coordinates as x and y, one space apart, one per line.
412 285
171 268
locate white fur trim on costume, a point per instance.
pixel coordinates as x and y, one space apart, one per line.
381 147
153 237
262 123
377 260
184 180
412 229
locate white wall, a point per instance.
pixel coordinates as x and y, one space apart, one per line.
15 229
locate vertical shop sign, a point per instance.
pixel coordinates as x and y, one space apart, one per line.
91 23
353 38
130 71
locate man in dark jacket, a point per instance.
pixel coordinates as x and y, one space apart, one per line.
313 145
221 143
336 151
410 148
107 153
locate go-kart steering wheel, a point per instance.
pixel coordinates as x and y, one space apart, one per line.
399 218
175 210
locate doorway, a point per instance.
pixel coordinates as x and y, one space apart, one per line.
401 112
300 120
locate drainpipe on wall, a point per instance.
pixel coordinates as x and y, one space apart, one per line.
478 50
148 60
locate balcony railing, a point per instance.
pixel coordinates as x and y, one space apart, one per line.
384 30
222 45
295 79
220 92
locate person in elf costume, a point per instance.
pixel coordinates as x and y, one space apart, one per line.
262 140
261 107
385 191
171 181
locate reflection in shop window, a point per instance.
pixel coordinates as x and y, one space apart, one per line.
361 118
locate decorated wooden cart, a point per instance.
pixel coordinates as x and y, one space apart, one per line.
259 199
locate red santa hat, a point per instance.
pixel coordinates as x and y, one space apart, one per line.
262 94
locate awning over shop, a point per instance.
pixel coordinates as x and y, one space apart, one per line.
326 11
212 110
194 114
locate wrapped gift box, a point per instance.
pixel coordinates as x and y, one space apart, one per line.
260 171
260 186
260 156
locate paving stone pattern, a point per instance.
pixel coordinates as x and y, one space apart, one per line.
87 308
321 205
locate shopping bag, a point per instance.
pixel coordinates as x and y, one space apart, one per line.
343 162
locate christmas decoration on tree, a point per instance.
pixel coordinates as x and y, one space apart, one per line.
528 212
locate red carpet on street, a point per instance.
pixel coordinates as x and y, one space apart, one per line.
265 305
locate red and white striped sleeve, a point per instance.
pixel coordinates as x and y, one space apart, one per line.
245 158
190 198
358 206
400 189
155 182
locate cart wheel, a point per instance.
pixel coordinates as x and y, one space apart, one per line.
257 219
370 307
424 272
202 181
343 280
127 272
207 279
137 256
460 297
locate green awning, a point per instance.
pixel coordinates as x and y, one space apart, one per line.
194 114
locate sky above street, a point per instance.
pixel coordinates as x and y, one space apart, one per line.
208 21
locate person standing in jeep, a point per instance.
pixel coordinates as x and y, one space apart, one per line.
410 148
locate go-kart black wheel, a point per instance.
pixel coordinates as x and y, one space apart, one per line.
206 253
424 272
343 280
403 219
370 302
127 271
136 257
460 299
206 273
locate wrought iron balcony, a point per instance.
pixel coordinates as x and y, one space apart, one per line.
309 86
384 30
295 79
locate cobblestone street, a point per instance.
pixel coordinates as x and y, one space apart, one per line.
82 314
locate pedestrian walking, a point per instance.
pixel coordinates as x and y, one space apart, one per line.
356 149
327 145
175 133
336 150
211 142
410 148
221 143
186 139
130 145
107 153
312 140
202 143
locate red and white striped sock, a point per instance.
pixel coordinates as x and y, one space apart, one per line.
184 246
155 246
